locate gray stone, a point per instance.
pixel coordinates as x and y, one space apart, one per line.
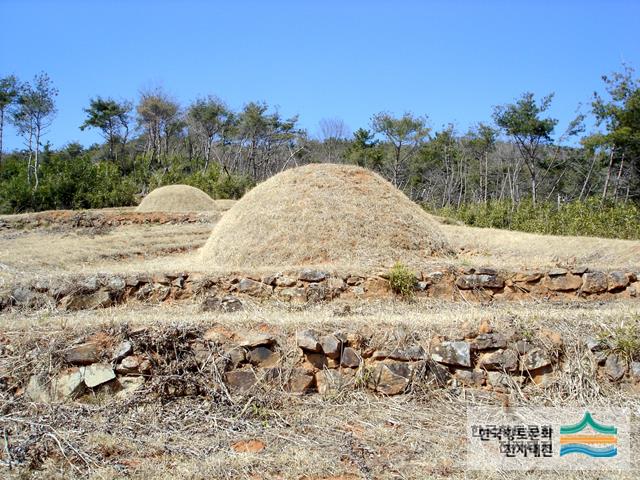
500 380
596 345
317 292
430 371
522 346
251 340
634 370
408 354
97 374
308 340
556 272
330 345
535 359
227 303
471 378
311 275
84 354
37 389
81 301
614 367
263 357
453 353
128 386
336 284
485 341
253 288
294 294
617 281
116 284
422 286
122 350
68 383
392 378
468 282
350 358
236 356
22 295
285 281
134 364
499 360
594 282
240 380
433 277
89 284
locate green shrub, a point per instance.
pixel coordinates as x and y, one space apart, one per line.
623 340
402 280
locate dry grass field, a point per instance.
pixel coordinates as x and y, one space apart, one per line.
174 247
348 434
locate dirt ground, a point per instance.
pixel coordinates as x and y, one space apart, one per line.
351 434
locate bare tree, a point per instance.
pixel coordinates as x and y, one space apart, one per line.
33 116
333 132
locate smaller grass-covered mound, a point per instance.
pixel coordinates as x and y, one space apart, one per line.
323 214
177 198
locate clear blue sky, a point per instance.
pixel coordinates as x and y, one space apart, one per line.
452 61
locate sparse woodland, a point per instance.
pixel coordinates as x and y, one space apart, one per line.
517 169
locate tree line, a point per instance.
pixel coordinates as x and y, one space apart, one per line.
517 156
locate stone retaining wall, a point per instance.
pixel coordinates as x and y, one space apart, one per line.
221 361
309 286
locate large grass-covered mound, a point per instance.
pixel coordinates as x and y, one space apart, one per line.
323 214
177 198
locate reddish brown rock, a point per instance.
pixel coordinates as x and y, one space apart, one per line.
594 282
471 378
562 281
350 358
240 380
300 381
84 354
392 378
499 360
617 281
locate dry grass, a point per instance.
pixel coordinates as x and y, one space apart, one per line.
41 252
323 214
224 204
173 247
517 250
414 436
177 198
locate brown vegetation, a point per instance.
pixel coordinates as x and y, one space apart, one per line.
177 198
323 215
